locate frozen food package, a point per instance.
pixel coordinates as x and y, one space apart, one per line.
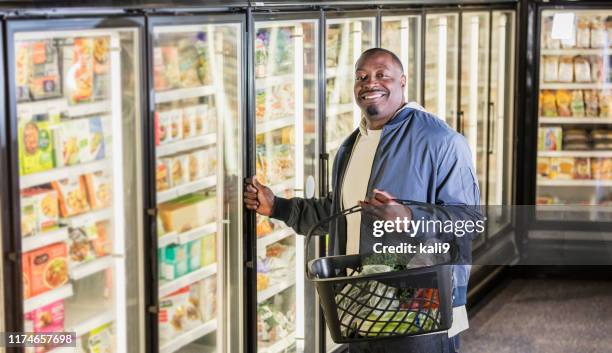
45 78
189 122
48 268
179 168
101 240
80 247
173 314
202 64
101 339
188 63
99 189
201 114
176 124
565 167
96 137
46 319
551 68
101 67
72 196
211 165
29 216
36 152
605 103
174 261
582 168
566 69
78 70
583 33
198 165
548 105
598 32
46 207
23 70
548 41
577 104
208 294
71 142
162 174
170 67
564 101
188 212
209 249
543 167
601 168
582 69
591 103
164 126
194 254
597 69
609 30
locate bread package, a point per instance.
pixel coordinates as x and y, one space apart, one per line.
547 39
551 68
605 104
566 69
582 69
591 103
598 32
597 69
548 105
564 100
577 104
583 33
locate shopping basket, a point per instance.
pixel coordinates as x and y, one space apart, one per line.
361 306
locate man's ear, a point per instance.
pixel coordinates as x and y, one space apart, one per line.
403 80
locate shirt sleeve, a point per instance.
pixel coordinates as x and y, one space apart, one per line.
456 181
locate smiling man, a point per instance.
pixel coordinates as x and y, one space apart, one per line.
399 151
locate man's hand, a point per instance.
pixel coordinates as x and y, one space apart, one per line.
258 197
383 206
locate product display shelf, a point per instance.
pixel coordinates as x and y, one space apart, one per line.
59 105
50 175
340 108
89 217
183 93
186 237
275 124
577 51
274 289
584 154
186 144
288 184
575 85
87 316
186 189
184 339
48 297
274 237
40 240
279 346
575 120
270 81
166 288
89 268
575 182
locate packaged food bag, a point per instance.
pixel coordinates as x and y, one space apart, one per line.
35 147
79 70
72 196
45 79
577 104
48 268
548 105
564 101
566 69
100 339
99 189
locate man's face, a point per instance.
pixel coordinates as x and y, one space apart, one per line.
379 86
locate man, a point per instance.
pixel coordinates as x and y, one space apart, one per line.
398 152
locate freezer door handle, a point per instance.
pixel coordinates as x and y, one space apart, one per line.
153 309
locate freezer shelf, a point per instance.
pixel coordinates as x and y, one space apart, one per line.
61 105
571 120
43 239
274 237
184 339
85 317
191 143
183 93
45 177
186 189
275 124
166 288
593 153
574 183
573 85
280 345
89 268
89 217
274 289
48 297
186 237
270 81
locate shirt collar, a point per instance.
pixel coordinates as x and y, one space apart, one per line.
363 124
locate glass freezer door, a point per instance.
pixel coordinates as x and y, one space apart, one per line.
441 61
286 90
197 93
75 105
402 36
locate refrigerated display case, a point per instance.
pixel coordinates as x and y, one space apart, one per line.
346 38
197 95
285 51
402 35
574 150
75 115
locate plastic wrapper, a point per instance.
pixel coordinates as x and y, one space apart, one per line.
566 69
582 69
547 40
548 105
564 100
597 69
605 103
598 32
551 68
577 104
583 33
582 168
591 103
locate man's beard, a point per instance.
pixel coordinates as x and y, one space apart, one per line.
372 110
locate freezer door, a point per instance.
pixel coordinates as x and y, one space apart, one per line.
346 39
441 61
402 36
285 152
75 104
197 96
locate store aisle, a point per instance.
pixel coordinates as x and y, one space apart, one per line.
544 316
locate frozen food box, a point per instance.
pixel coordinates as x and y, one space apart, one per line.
176 124
46 207
44 79
169 67
209 249
162 174
101 66
198 165
187 212
71 142
100 340
101 240
72 196
550 139
23 70
99 189
194 254
188 64
562 168
201 113
80 243
174 310
179 169
78 70
48 268
208 297
174 261
97 145
35 147
46 319
189 121
29 217
164 126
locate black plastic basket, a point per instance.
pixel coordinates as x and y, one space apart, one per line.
360 306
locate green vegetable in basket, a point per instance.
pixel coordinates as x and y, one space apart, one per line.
397 262
400 322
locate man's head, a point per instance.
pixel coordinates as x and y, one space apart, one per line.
379 85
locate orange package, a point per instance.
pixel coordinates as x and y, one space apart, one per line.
48 268
98 189
72 196
101 243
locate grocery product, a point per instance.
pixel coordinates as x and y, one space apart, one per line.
29 217
551 68
582 168
591 103
44 80
101 54
201 116
188 63
48 268
167 73
179 168
601 168
45 204
564 100
189 122
598 32
597 69
35 147
23 70
188 212
577 104
264 226
164 126
174 261
194 254
46 319
209 249
550 138
603 145
548 104
605 103
272 324
176 124
543 167
582 69
88 242
72 196
78 70
71 142
263 281
96 139
162 174
198 165
547 40
177 314
562 168
566 69
205 293
211 159
100 340
601 134
583 33
99 189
